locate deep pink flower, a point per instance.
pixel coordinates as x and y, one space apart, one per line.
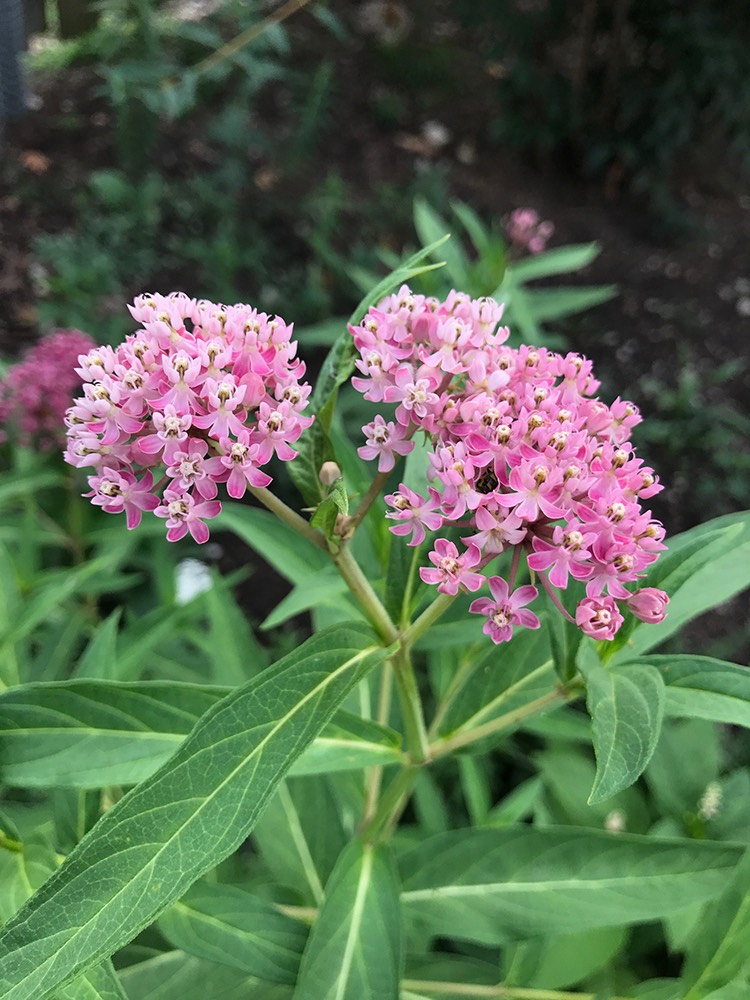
598 617
451 569
414 512
649 605
506 610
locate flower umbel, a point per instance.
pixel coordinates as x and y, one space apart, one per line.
200 395
523 455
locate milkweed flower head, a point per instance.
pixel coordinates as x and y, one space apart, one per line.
36 392
523 457
527 230
199 396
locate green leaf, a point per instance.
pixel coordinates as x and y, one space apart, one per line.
626 706
354 949
99 659
227 925
561 260
431 229
334 505
547 304
175 826
87 734
501 681
177 976
100 983
704 688
678 789
324 587
349 743
291 555
554 963
702 568
493 886
721 943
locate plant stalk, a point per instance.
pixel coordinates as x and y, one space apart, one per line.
477 992
290 517
365 596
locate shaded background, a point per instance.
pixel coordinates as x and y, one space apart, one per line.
272 153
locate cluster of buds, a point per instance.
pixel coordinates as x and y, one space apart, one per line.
200 395
528 231
523 457
37 391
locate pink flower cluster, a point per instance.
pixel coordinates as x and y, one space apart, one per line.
201 394
37 391
527 230
523 457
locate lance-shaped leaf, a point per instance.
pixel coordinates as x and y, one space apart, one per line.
704 688
721 943
227 925
626 704
88 734
149 848
493 886
177 976
702 568
354 949
500 682
100 983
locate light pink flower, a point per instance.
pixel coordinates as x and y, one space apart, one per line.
115 492
183 514
506 610
414 512
384 441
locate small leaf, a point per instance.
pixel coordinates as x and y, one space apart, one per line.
626 706
177 976
561 260
354 949
227 925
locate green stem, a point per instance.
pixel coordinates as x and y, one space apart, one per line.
507 721
454 687
409 589
427 619
391 804
365 596
375 774
295 521
411 707
493 992
366 502
10 844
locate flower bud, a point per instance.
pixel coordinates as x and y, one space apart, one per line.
329 473
649 605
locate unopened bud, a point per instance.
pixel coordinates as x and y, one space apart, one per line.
329 473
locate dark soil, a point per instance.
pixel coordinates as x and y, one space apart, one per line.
683 303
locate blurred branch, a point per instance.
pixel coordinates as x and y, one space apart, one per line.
245 37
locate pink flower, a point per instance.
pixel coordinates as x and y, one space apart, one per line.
526 229
183 514
36 392
115 492
384 441
506 610
599 617
649 605
414 512
451 570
